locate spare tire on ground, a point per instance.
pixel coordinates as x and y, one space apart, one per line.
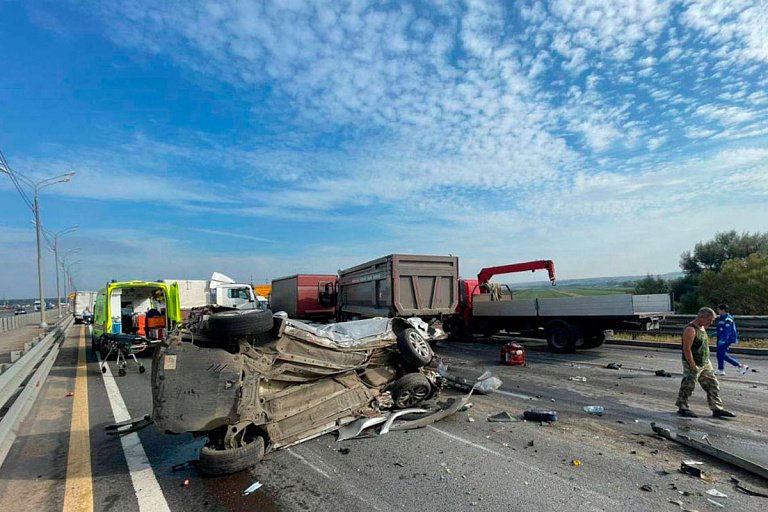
240 322
414 348
409 390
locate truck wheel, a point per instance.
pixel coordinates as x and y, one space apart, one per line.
594 341
240 322
414 348
215 461
409 390
561 338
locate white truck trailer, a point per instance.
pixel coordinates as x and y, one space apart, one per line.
83 301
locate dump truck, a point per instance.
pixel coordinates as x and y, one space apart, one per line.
399 285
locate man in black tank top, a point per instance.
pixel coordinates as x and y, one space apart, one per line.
698 368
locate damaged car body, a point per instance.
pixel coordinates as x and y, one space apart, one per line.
253 382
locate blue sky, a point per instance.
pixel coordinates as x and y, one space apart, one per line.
299 136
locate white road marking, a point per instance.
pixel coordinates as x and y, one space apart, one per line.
305 461
147 489
516 395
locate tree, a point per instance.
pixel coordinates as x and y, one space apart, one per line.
728 245
685 293
651 284
742 283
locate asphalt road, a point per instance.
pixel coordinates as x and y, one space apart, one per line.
457 464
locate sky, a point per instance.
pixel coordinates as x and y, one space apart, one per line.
261 139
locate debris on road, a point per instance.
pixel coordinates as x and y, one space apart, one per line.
597 410
715 503
512 354
646 487
185 483
713 451
613 366
663 373
466 379
537 415
716 493
71 393
184 465
748 490
451 407
471 419
344 451
251 488
578 378
576 462
502 417
689 467
128 426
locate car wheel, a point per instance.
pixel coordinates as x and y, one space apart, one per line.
239 323
409 390
414 348
215 461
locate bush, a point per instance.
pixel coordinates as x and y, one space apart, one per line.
742 283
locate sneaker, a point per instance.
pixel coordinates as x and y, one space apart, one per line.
743 368
723 414
720 373
687 413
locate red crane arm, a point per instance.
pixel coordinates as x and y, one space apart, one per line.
487 273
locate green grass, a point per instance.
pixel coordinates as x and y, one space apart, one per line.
675 339
548 293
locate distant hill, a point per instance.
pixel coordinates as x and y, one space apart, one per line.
618 282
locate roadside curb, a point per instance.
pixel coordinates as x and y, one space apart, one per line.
675 346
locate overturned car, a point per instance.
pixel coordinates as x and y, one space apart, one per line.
253 382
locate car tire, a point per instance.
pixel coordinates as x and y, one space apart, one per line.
237 323
225 462
414 348
409 390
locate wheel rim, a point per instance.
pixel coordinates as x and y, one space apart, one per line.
419 344
559 338
412 396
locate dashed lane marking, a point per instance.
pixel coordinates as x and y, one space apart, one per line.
78 493
147 489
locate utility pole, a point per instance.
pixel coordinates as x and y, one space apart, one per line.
36 186
55 248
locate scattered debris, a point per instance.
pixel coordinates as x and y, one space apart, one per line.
597 410
716 493
620 421
715 503
613 366
576 462
663 373
578 378
471 419
531 443
399 464
467 379
343 451
537 415
675 502
512 354
71 393
647 488
185 483
502 417
466 407
251 488
451 407
689 468
128 426
712 451
755 370
748 490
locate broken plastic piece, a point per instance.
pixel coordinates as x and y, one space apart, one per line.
613 366
576 462
540 415
126 427
353 429
690 469
597 410
716 493
663 373
578 378
254 486
451 408
646 487
715 503
391 417
502 417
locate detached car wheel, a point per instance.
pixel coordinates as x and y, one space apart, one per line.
240 322
215 461
414 348
409 390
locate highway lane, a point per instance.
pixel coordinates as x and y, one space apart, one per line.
456 464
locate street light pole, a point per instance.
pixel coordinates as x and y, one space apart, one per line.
55 248
43 324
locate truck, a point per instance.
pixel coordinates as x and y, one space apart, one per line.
83 301
304 296
398 285
567 323
219 290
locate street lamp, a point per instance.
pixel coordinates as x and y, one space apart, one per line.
55 249
36 187
67 268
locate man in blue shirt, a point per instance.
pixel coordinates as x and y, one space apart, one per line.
726 336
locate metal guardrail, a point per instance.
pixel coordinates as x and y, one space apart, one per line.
16 382
749 326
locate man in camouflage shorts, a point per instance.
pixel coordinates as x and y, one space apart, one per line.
698 368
